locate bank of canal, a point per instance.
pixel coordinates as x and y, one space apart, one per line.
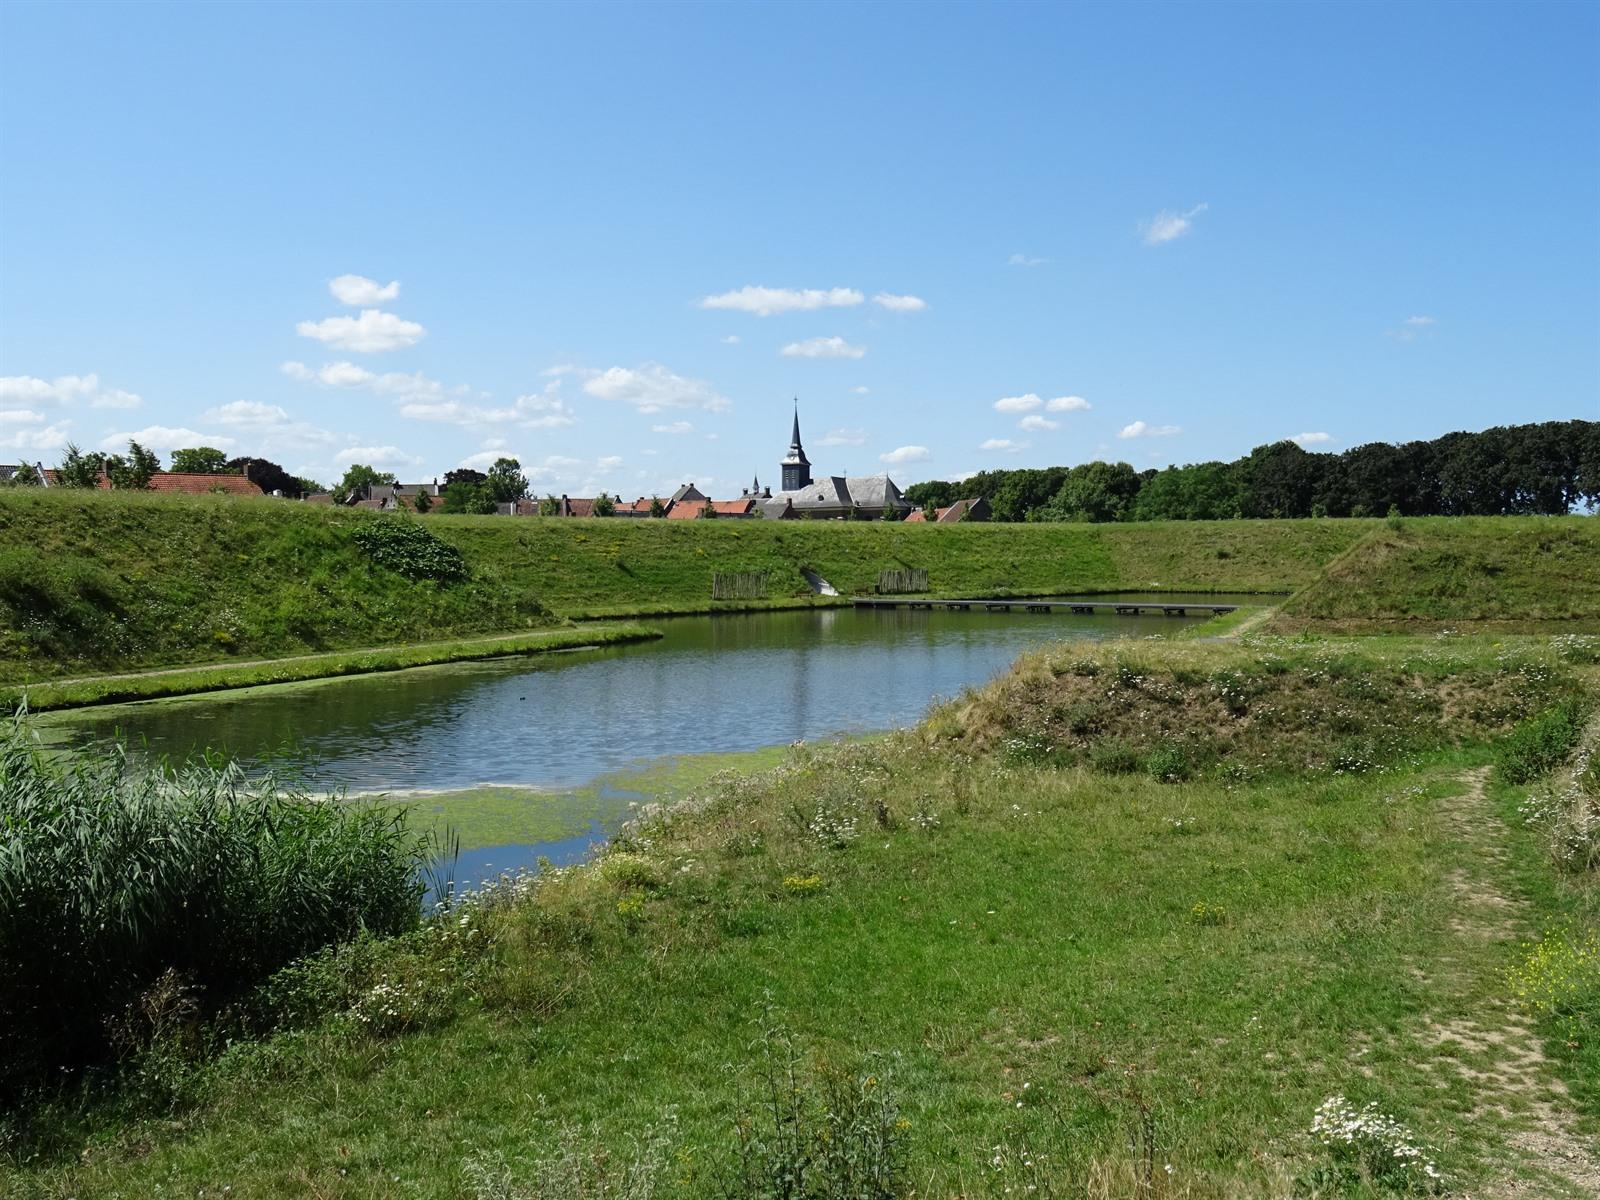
530 756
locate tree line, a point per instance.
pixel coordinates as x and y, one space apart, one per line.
1548 468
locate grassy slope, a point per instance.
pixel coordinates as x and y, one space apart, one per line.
1042 932
96 582
1439 571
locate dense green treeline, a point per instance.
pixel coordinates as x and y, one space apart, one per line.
1512 470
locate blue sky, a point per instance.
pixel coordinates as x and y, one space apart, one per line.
624 237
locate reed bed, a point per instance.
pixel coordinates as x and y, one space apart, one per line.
114 879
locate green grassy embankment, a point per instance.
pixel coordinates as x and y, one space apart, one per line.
185 681
1504 574
1016 954
94 583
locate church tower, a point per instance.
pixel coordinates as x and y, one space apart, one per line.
796 467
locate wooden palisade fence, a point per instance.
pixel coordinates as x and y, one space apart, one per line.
910 579
739 585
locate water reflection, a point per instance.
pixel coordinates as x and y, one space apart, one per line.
734 682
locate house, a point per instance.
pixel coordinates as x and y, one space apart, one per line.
742 509
388 497
961 510
832 497
203 485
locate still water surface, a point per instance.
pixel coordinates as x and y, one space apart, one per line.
724 683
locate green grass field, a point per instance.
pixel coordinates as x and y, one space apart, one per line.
1030 974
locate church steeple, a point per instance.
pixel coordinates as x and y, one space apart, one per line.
796 467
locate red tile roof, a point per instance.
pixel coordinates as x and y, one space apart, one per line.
201 485
917 517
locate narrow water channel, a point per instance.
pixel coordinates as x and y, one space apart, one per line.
569 724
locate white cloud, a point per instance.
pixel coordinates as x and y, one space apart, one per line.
649 387
861 391
766 302
65 390
485 459
165 438
415 387
358 291
20 416
248 414
1141 429
51 438
899 303
823 347
494 443
731 340
905 454
1018 404
529 412
1038 424
844 437
1411 328
675 428
1004 446
1311 439
376 456
1167 226
1022 260
1068 404
608 462
371 333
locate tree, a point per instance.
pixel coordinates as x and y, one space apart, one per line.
26 475
605 506
422 503
464 475
506 482
270 477
657 509
80 468
708 511
134 472
549 507
1095 491
357 480
200 460
464 496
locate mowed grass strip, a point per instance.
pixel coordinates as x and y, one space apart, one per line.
77 693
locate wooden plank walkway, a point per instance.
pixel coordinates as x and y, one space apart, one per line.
1121 608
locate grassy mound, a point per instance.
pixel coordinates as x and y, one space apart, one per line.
97 582
1269 708
94 582
1492 572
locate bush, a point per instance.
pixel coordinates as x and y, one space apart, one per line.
406 548
113 878
1538 746
818 1135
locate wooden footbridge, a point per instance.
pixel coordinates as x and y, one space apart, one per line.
1121 608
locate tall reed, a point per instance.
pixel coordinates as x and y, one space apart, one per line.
114 876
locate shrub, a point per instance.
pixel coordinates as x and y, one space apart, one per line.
406 548
1538 746
112 877
823 1134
